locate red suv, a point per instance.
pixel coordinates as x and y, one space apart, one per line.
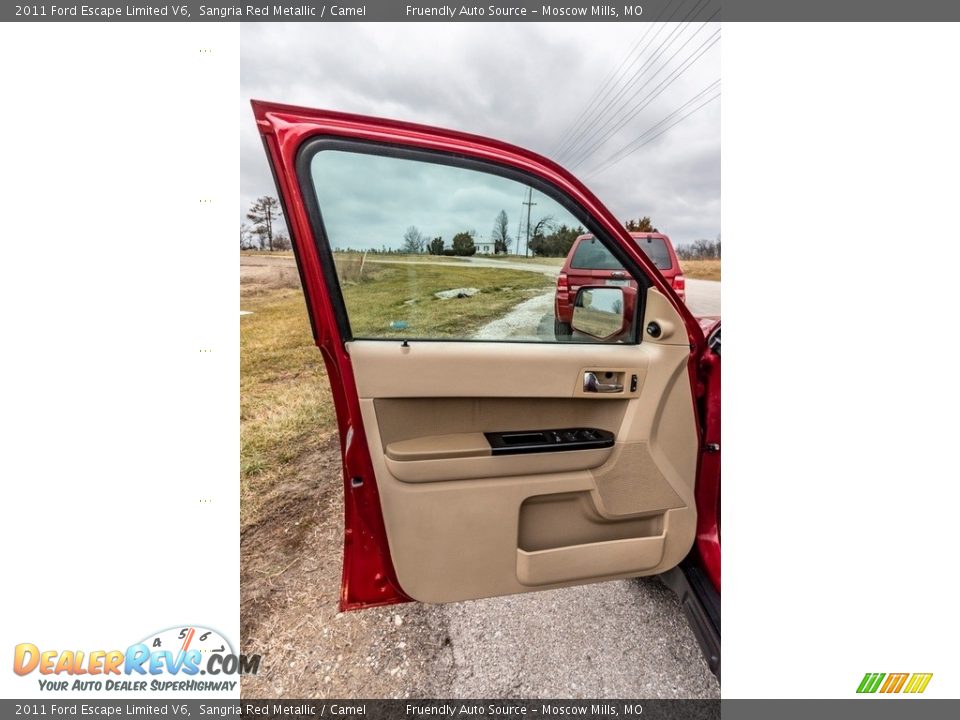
590 263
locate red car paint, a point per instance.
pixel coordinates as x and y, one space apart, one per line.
369 578
708 480
578 270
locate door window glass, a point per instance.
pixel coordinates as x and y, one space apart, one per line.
431 251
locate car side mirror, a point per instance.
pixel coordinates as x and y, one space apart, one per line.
603 312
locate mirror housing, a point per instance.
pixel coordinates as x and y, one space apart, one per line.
604 312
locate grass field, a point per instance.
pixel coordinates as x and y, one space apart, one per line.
701 269
393 293
533 260
285 402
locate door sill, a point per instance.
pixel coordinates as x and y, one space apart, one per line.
701 605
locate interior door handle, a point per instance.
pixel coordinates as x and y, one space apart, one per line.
592 384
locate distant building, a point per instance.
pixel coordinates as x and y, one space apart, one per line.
484 247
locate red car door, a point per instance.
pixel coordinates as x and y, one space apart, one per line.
478 461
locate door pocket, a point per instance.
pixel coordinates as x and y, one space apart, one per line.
577 562
563 538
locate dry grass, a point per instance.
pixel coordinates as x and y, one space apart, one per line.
285 401
701 269
268 253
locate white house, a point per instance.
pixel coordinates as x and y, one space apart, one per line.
484 247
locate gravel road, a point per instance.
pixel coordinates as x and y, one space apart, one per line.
624 638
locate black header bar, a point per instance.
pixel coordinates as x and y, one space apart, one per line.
502 11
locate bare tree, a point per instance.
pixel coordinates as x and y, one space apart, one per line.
413 241
247 240
501 240
263 213
700 250
281 242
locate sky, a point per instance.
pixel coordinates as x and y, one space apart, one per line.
580 94
363 209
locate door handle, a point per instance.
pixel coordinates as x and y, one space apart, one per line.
592 384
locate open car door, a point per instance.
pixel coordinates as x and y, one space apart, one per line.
482 454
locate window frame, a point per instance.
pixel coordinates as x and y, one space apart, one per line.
317 144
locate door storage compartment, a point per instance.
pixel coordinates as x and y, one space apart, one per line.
578 562
561 537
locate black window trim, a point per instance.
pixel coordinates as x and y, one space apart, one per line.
316 144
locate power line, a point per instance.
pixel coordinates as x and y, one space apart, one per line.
575 127
613 161
616 155
584 129
599 113
609 107
575 124
627 112
652 95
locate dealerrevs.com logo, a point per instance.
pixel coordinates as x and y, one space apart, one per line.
910 683
176 659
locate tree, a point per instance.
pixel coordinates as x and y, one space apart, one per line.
413 241
499 235
435 247
264 212
555 244
463 244
539 232
641 225
700 250
247 240
281 242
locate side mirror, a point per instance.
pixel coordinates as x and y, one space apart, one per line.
603 312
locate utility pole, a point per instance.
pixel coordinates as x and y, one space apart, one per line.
529 204
519 225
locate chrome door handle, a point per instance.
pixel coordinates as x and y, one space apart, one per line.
592 384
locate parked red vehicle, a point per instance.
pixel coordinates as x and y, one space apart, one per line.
590 263
478 467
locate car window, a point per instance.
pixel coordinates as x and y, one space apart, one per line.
591 254
656 249
424 250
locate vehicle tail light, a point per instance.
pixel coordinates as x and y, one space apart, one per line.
679 284
563 287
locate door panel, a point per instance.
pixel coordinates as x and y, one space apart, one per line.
433 511
471 526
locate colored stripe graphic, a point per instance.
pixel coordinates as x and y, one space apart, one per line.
870 682
918 682
895 682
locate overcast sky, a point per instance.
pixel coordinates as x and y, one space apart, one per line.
524 83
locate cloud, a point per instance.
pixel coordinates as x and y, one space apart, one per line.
524 83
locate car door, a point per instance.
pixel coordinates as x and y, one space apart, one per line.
482 455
